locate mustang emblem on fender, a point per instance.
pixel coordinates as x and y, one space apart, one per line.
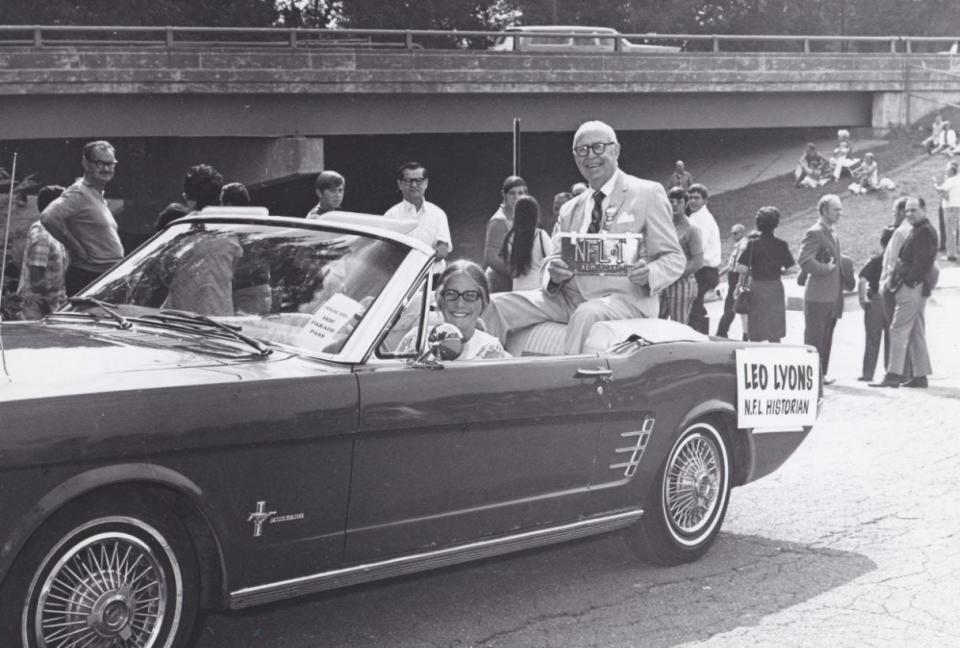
260 516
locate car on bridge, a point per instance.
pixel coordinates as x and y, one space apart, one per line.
229 418
572 39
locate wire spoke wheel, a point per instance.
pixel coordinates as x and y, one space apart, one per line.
685 509
108 590
693 483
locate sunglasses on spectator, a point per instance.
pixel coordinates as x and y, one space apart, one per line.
413 181
449 295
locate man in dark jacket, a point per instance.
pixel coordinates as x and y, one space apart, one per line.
911 285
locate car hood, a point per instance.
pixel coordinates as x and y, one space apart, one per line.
41 358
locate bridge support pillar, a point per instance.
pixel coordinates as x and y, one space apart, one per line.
903 110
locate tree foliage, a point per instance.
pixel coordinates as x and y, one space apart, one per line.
208 13
827 17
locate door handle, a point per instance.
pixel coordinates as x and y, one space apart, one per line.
601 373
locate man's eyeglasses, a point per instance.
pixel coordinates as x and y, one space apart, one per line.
413 181
102 164
450 295
597 148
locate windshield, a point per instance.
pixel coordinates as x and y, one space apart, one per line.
282 284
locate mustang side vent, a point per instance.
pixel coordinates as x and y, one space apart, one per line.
641 437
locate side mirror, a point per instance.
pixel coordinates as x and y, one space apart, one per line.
445 342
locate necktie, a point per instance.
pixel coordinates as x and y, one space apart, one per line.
596 216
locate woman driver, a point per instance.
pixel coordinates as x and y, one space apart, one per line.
462 294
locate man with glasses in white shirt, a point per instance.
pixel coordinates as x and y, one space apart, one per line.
615 203
81 220
432 227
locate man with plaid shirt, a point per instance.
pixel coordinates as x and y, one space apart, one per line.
42 289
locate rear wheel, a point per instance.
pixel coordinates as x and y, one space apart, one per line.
685 509
104 576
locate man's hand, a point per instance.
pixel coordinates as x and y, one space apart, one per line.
640 274
559 272
442 249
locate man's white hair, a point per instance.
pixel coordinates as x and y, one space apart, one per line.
828 199
596 125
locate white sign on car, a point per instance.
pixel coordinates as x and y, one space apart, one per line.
777 387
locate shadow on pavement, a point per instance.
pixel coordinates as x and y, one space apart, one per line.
591 593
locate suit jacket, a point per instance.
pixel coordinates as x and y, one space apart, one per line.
638 206
823 284
917 257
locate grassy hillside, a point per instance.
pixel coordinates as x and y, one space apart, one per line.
901 159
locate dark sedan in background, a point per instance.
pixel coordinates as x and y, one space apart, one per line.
224 420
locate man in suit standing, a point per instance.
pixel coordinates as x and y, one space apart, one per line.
821 261
614 203
910 284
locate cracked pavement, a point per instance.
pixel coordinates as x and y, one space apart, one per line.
853 542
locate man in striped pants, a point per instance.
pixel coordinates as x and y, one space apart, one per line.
677 298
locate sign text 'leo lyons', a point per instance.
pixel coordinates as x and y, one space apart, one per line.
777 387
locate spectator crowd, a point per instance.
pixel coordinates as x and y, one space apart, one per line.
525 278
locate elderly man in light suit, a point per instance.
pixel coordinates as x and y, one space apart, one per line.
828 274
617 203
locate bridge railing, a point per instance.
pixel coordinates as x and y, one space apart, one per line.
49 36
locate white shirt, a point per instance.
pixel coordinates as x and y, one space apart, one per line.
704 221
892 252
951 191
431 226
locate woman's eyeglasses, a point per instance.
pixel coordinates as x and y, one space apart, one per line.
449 295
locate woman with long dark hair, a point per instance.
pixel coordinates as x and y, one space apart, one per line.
526 245
497 227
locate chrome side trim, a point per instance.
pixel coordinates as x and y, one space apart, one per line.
636 450
357 574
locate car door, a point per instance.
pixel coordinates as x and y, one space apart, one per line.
472 450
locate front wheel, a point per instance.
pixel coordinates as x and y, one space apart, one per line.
110 577
685 508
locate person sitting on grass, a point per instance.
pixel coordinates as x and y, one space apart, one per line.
947 141
813 169
866 177
842 158
935 129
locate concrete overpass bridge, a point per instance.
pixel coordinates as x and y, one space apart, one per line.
262 103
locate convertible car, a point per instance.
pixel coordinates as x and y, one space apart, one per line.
226 419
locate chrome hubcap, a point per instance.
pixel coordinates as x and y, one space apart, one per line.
108 591
693 484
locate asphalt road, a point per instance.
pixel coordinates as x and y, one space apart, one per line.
854 542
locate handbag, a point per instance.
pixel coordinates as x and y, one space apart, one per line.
741 304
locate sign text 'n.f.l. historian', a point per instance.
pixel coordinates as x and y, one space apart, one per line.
777 387
601 254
